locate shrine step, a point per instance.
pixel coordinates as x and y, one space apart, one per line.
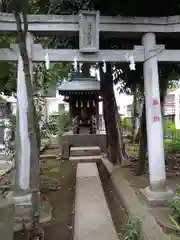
85 159
85 151
48 156
92 216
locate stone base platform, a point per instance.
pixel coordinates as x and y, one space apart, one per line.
77 140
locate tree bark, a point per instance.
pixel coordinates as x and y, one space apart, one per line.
136 116
143 144
110 113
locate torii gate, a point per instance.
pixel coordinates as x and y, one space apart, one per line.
89 24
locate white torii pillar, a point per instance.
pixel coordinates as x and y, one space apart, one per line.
157 191
22 193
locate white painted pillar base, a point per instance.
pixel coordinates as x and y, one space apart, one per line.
155 139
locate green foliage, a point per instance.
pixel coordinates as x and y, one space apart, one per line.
8 69
170 131
57 124
173 147
47 81
133 229
175 212
126 124
64 123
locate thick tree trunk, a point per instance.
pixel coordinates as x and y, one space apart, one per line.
136 116
110 113
106 123
134 113
143 144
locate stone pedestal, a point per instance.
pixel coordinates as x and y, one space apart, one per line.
6 219
157 190
23 206
157 196
23 210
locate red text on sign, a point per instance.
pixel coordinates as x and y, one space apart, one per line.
156 119
155 102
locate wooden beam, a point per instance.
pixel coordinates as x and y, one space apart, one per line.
57 24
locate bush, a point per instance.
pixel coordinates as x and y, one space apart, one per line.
172 147
57 124
170 131
175 212
133 229
126 124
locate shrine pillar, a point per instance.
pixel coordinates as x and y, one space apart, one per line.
157 191
22 191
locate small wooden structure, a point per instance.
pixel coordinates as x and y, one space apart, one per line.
82 94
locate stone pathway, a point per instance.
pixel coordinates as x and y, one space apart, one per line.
92 216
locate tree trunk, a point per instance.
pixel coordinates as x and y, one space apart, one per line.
34 161
110 113
143 144
134 112
86 69
136 116
106 124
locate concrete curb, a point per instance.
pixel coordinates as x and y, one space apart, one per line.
150 230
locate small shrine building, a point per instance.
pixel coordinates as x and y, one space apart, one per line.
82 94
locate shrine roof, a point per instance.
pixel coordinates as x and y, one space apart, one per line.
80 83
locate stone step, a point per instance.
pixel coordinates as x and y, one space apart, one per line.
85 159
92 215
48 156
85 151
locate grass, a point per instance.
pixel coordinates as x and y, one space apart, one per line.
132 229
169 147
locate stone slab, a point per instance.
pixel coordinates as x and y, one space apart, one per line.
92 216
87 170
48 156
150 230
85 151
85 159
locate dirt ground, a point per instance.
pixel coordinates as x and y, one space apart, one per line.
57 185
